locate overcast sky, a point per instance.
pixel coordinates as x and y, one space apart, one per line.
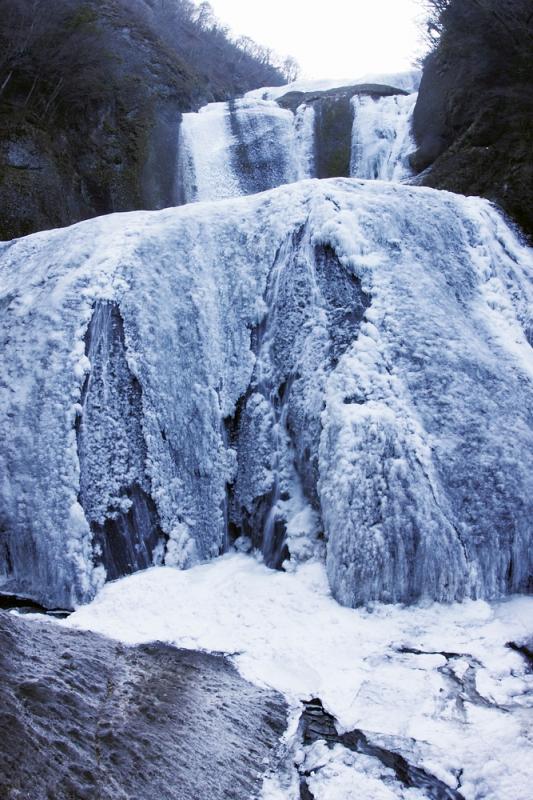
331 38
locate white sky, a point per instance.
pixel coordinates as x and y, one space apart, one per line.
331 38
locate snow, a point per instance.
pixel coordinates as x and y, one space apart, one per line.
284 630
407 81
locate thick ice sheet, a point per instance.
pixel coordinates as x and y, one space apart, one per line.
459 706
353 352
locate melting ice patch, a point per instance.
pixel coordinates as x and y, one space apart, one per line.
436 684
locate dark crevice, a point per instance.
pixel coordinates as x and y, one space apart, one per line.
305 791
413 651
25 605
115 490
317 724
5 552
525 651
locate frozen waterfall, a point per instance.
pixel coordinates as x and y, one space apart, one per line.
242 147
250 145
339 364
381 137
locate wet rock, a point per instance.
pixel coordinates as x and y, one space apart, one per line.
87 718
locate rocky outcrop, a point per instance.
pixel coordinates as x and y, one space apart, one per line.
473 121
333 125
84 717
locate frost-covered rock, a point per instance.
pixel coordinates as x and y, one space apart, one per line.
341 356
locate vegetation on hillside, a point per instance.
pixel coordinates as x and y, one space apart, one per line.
474 117
61 55
90 97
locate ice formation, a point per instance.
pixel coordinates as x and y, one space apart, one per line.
252 144
381 137
339 361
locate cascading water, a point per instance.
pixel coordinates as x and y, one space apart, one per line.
205 170
242 147
381 137
304 129
250 145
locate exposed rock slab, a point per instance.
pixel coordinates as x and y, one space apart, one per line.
84 717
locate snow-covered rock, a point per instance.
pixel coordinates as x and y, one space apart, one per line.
334 360
406 81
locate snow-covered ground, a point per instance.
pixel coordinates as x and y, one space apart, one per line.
436 683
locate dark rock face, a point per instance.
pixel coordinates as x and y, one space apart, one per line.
115 490
333 132
473 121
84 717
